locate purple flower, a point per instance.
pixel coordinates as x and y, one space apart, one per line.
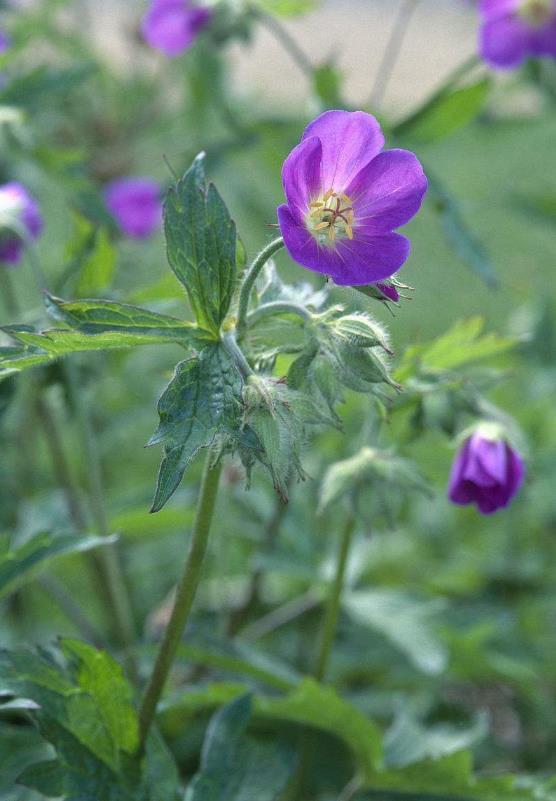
513 30
173 25
389 291
345 198
20 219
5 42
487 471
135 204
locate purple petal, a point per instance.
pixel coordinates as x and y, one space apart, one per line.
505 42
300 244
459 490
26 208
301 175
497 8
543 42
350 139
491 457
390 291
516 471
173 25
366 260
135 205
11 250
387 192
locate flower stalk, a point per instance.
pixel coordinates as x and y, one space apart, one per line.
278 307
185 595
250 278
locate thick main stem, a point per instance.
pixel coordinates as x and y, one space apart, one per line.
185 595
333 604
250 278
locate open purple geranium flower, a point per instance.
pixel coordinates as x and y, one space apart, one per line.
173 25
513 30
20 218
345 198
135 204
487 471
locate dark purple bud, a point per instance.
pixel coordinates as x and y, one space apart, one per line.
487 471
20 219
135 205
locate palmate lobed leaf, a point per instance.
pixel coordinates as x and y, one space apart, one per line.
21 564
200 403
201 244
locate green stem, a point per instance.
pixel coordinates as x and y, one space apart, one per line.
250 278
185 595
113 578
230 343
277 307
289 44
392 51
8 292
333 605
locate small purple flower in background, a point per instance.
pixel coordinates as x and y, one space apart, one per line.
5 42
135 204
345 198
173 25
513 30
487 471
20 219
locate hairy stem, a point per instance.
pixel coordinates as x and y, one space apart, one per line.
250 278
185 595
109 562
392 51
278 307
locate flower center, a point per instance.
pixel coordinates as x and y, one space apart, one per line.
537 12
330 217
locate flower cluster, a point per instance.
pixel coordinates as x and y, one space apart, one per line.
20 220
345 198
513 30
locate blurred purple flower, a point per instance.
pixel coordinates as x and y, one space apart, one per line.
135 204
20 218
487 471
5 42
513 30
173 25
345 198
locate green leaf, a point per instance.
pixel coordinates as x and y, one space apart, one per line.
22 564
310 704
445 113
404 621
461 345
201 244
42 84
327 82
235 767
286 8
201 401
98 268
458 234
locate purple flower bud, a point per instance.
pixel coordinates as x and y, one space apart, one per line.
389 291
20 218
135 204
487 471
173 25
513 30
345 198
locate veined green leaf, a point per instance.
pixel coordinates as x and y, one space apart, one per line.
201 245
236 767
200 402
310 704
463 344
21 564
446 112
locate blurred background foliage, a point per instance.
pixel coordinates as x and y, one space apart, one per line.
447 635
